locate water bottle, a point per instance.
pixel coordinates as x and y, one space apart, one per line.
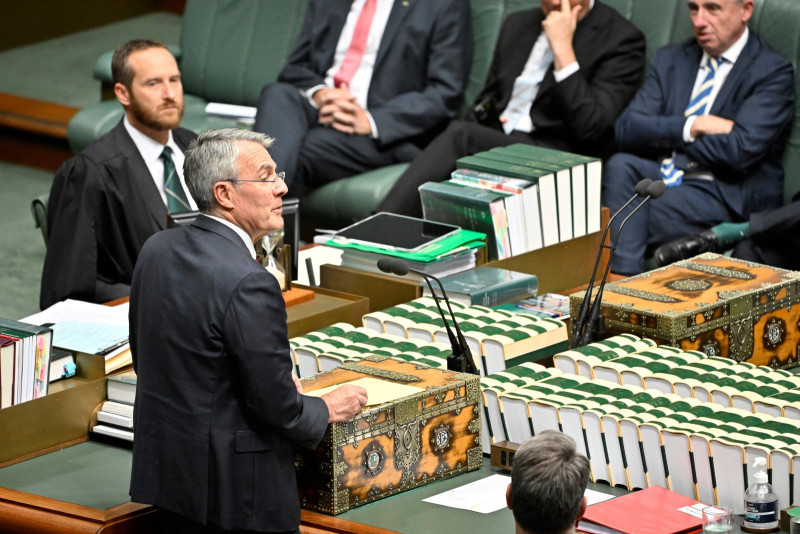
760 503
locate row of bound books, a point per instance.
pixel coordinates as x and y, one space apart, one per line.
522 196
638 437
496 338
325 349
115 415
25 351
693 374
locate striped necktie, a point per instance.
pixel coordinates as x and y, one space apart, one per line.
698 105
176 197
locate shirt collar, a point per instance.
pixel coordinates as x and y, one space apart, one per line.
149 148
733 52
248 241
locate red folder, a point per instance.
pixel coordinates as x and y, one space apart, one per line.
654 510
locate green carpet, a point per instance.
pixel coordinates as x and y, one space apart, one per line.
21 242
60 70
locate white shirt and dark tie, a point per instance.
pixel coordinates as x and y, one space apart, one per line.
151 151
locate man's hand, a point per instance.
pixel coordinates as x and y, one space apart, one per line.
709 125
338 109
559 27
297 384
345 402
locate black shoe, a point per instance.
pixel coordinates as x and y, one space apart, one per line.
686 247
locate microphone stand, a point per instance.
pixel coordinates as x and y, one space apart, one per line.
580 323
461 358
654 190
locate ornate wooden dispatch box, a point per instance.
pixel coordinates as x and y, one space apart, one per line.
719 305
429 435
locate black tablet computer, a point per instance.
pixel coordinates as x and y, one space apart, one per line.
395 232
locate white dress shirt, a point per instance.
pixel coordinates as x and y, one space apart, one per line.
151 150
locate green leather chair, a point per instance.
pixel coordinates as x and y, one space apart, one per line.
39 212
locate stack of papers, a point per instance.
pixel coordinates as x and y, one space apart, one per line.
89 328
450 255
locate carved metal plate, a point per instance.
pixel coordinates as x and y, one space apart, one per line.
373 459
689 284
711 347
441 437
774 332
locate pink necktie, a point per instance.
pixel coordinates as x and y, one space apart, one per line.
358 44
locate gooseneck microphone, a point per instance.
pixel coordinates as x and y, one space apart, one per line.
461 358
654 190
579 325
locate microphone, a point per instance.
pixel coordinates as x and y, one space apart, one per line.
577 330
461 358
654 190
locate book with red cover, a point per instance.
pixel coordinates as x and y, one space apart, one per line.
654 510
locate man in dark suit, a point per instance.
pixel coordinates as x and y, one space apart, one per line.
217 410
711 120
548 480
559 78
345 105
106 201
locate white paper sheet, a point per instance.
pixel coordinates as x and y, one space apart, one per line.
489 495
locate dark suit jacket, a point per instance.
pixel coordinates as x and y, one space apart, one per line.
216 410
103 205
758 96
577 114
420 71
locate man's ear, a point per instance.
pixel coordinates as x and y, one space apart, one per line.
123 94
581 511
223 194
508 497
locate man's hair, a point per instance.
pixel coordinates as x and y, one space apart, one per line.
548 479
211 158
121 71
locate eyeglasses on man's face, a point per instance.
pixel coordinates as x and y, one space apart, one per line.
277 178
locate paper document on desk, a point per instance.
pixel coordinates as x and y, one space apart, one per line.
484 496
378 391
91 338
85 312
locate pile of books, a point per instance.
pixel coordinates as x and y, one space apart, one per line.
656 416
24 361
415 330
115 415
96 337
523 197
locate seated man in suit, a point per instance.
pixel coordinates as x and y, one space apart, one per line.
548 480
106 201
559 78
217 409
770 237
369 83
710 120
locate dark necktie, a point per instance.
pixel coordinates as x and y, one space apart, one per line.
176 197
